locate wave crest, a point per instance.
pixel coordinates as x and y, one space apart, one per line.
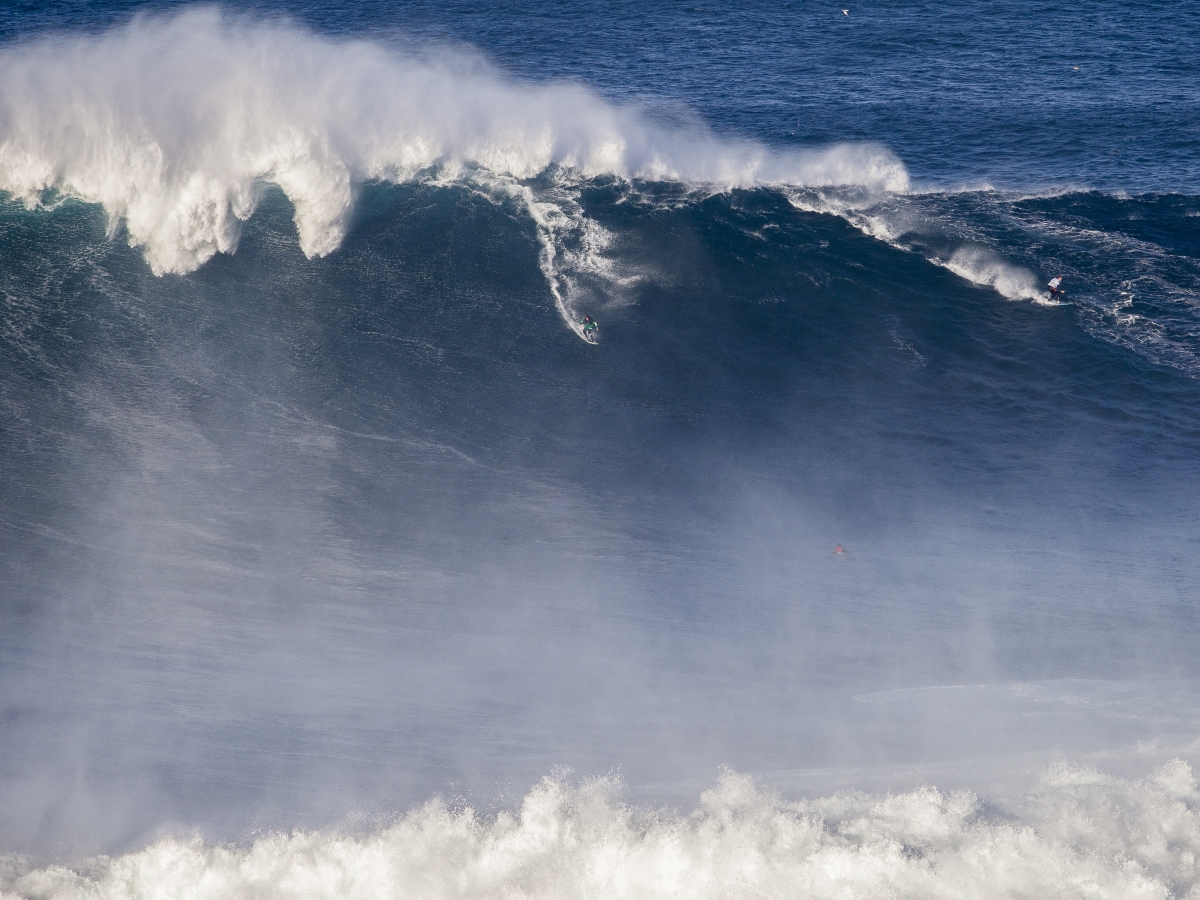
175 124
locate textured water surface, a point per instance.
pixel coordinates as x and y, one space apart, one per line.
333 561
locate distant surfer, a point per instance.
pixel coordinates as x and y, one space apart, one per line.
1055 291
839 549
589 328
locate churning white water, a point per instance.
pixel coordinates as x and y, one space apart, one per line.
180 160
1078 835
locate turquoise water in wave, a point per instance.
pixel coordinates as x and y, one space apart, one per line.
334 562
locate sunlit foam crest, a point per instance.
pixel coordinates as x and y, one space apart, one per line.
1079 834
891 219
174 124
985 267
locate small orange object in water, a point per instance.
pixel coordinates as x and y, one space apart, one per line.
839 549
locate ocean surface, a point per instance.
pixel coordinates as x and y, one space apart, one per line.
335 563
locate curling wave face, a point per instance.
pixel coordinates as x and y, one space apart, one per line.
1080 834
180 156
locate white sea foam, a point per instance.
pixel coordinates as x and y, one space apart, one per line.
983 266
862 209
572 247
174 124
1079 834
891 218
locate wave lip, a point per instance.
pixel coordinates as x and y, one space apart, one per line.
174 124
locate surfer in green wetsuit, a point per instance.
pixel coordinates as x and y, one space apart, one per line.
589 327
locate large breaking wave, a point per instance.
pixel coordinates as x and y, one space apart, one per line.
179 125
176 124
293 537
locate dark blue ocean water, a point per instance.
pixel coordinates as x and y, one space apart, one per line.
315 505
